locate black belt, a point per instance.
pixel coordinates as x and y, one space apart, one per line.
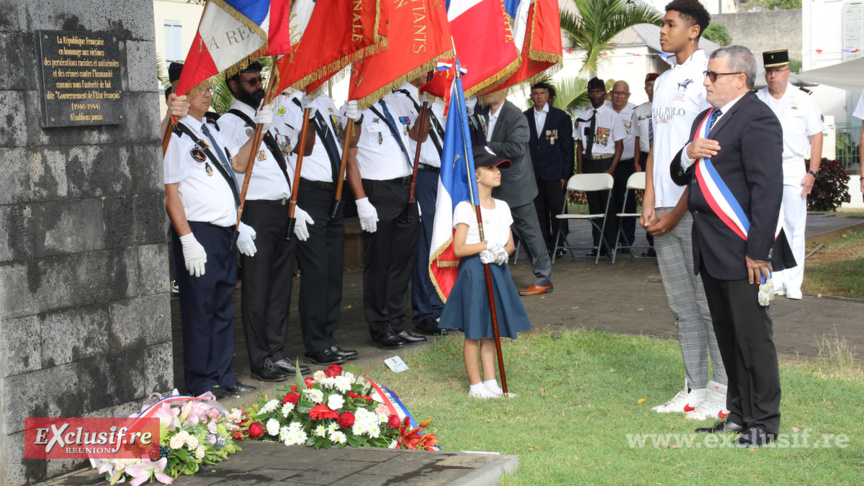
324 186
601 157
277 202
404 181
422 166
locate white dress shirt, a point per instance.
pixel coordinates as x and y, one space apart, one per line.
379 155
608 129
540 119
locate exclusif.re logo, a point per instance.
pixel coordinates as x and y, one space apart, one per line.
90 438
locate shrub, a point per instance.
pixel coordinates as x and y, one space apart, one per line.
831 188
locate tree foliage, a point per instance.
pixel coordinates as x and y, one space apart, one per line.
718 34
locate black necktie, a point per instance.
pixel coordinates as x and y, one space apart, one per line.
589 142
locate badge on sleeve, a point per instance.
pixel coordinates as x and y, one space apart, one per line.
261 155
280 111
198 155
249 132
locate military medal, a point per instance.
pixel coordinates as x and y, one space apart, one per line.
337 127
208 169
375 120
380 138
280 111
262 155
406 122
198 155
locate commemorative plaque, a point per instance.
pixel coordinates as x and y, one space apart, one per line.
80 78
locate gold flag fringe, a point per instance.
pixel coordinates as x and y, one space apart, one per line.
434 258
339 64
379 93
494 80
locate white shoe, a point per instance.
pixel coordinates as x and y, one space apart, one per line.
714 405
494 389
683 402
794 294
780 292
482 394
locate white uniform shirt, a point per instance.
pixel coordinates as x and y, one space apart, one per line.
205 194
496 222
268 182
316 167
490 123
609 129
801 118
428 152
540 119
626 116
642 120
379 156
678 97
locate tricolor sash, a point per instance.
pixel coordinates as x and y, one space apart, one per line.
717 194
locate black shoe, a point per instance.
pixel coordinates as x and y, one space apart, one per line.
347 354
325 357
220 393
410 338
269 372
238 388
560 253
389 341
755 436
649 253
429 327
593 254
288 367
724 426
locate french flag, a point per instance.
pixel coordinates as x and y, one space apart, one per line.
231 34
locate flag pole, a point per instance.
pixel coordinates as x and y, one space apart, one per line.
412 203
258 137
476 203
292 203
337 199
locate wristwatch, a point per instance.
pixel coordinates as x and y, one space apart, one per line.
813 173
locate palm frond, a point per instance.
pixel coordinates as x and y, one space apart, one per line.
572 94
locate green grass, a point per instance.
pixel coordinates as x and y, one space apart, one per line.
578 399
838 268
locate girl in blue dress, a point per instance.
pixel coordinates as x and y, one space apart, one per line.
467 307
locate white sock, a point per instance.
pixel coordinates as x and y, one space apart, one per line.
477 387
492 385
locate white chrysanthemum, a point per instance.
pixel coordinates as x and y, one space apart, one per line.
333 427
342 383
320 431
295 438
393 444
374 432
273 427
184 436
314 395
359 428
295 426
382 419
335 402
375 396
327 382
348 376
200 452
284 434
338 437
286 409
177 442
192 442
319 375
269 406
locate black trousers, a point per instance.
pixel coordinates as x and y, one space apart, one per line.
207 309
623 171
320 260
265 296
389 256
549 201
597 202
746 340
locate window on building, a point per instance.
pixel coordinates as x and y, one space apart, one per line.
173 43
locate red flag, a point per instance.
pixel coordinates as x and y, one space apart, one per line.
541 49
279 32
484 42
339 32
420 36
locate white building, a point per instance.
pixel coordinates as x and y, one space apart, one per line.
176 22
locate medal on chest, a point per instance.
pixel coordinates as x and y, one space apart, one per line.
198 155
337 126
406 123
261 155
208 169
280 111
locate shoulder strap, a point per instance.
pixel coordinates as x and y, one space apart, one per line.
206 148
436 125
269 141
395 132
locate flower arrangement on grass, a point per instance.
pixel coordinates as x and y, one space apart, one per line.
193 432
335 408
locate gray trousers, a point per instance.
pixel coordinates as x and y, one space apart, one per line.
526 227
687 301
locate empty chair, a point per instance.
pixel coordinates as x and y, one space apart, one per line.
636 181
586 183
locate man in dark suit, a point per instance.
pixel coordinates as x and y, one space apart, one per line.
506 131
551 147
744 143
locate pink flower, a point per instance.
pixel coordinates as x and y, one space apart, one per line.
146 470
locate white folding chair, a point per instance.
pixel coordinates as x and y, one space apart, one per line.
586 183
636 181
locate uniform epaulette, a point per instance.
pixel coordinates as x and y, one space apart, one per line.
805 90
177 131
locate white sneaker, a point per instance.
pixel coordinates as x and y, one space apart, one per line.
482 394
780 292
714 405
683 402
494 389
794 294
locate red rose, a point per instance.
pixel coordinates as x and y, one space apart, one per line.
255 430
291 397
309 382
346 420
333 371
394 422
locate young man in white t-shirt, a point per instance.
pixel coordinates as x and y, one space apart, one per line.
678 97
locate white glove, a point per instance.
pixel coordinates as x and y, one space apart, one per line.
487 256
193 254
264 117
308 102
245 242
352 111
368 215
501 255
302 219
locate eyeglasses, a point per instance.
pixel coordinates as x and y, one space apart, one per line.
776 72
619 93
713 76
595 91
254 81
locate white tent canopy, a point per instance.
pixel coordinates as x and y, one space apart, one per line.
847 75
